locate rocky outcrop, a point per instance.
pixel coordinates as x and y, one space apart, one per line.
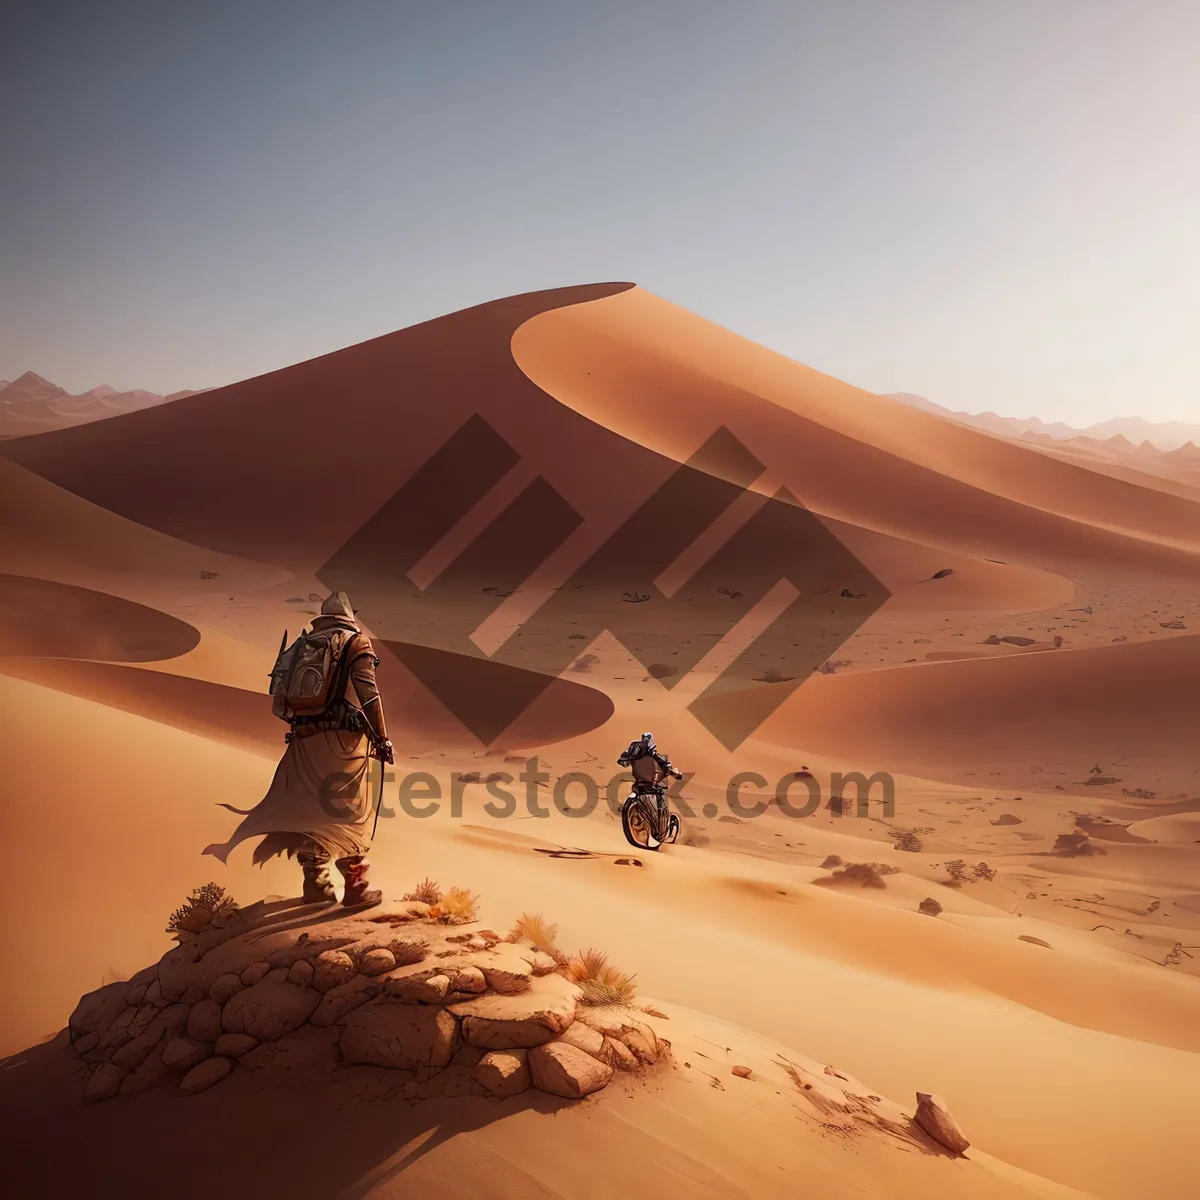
934 1117
452 1008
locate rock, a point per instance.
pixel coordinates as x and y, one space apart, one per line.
621 1026
619 1055
154 995
131 1054
742 1072
512 977
175 970
234 1045
332 968
1037 941
542 963
204 1021
831 861
300 973
104 1082
337 1003
377 961
256 972
135 994
192 995
929 906
98 1010
89 1041
150 1074
224 987
934 1117
531 1018
566 1071
413 989
205 1074
390 1034
642 1042
278 974
504 1072
181 1053
1007 819
584 1037
469 979
269 1009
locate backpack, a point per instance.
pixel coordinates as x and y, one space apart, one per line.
308 676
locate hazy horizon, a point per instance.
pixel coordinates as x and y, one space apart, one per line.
993 209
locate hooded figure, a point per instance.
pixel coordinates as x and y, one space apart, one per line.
318 806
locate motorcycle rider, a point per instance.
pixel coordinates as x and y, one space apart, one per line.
650 770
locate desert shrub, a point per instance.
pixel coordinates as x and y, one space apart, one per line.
862 874
831 861
535 930
983 871
599 981
201 908
906 839
929 906
958 871
427 892
456 907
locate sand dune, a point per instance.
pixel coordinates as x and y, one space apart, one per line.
1048 1004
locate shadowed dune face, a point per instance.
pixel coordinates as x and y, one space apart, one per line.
55 620
1020 708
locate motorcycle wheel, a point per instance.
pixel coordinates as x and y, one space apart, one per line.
636 825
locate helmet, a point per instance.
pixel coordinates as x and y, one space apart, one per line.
648 738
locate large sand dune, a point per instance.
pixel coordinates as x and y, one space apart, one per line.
151 560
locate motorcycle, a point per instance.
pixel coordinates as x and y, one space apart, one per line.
646 818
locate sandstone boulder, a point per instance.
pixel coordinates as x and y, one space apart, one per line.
234 1045
175 970
584 1037
387 1033
503 1072
469 979
182 1053
934 1117
300 973
269 1009
104 1082
224 987
530 1018
256 972
332 968
205 1074
564 1070
204 1021
377 961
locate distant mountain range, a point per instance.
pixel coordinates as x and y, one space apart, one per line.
1160 435
31 404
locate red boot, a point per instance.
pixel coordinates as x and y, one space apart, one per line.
358 892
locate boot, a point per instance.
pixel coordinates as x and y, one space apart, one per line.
317 886
358 893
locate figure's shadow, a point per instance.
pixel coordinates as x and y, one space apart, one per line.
342 1137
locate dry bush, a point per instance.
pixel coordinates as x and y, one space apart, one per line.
907 839
535 930
599 981
983 871
427 892
862 874
456 907
958 871
201 908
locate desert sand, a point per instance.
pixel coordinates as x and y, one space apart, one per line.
148 568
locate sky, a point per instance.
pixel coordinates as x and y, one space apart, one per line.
992 204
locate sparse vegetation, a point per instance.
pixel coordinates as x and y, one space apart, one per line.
862 874
534 930
456 907
907 840
599 981
961 872
832 665
831 861
200 909
427 892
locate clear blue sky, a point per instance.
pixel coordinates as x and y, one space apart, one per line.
991 202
